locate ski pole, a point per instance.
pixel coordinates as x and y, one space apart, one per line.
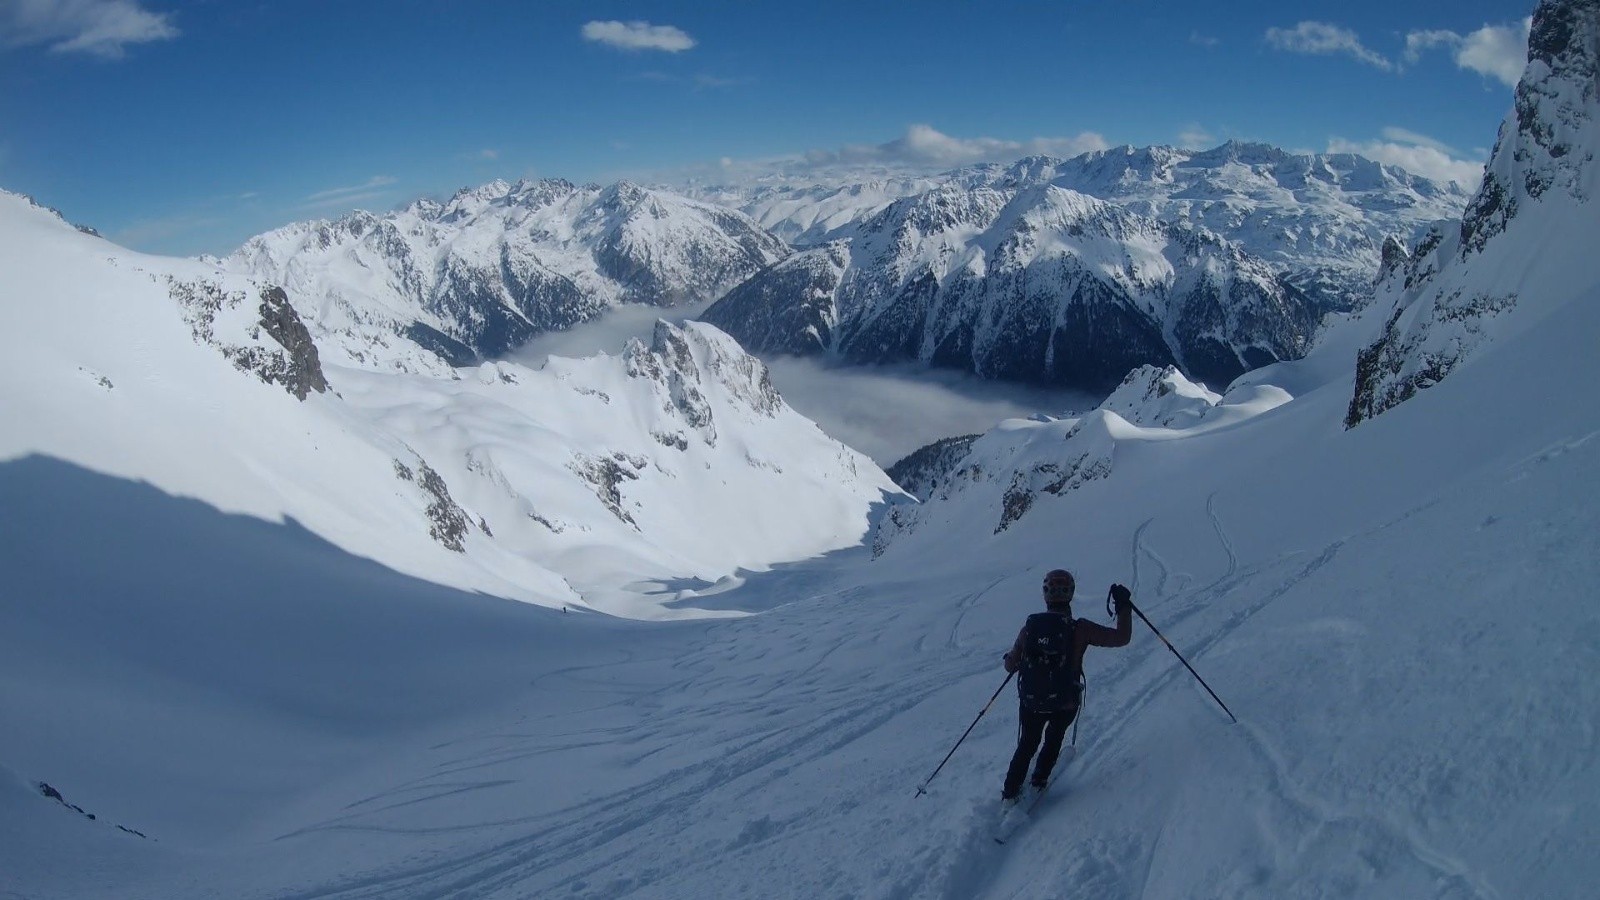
923 789
1185 663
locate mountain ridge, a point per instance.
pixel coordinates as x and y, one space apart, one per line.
480 273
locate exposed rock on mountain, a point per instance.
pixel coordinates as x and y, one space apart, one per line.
494 265
1038 284
1534 213
218 317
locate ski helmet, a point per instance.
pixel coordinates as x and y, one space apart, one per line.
1058 586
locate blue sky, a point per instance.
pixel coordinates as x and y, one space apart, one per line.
186 127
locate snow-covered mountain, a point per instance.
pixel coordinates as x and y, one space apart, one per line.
1034 283
1319 219
492 266
554 486
1526 236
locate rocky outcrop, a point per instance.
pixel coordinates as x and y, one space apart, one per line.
52 794
299 370
682 364
606 475
217 317
447 521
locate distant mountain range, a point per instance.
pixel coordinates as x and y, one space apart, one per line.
1067 271
1320 219
1034 283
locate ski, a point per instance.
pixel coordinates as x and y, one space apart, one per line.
1013 815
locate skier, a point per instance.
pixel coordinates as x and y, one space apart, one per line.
1049 654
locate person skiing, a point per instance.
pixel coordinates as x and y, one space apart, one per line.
1049 655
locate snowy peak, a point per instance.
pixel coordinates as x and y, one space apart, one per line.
683 364
1525 243
1160 397
1549 141
480 273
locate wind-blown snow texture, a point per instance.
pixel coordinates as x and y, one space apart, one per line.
1400 614
481 273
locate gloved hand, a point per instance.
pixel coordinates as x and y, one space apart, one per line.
1122 597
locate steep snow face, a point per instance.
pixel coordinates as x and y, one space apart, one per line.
576 485
1318 219
481 273
1035 283
1521 247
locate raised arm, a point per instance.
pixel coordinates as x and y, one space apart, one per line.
1096 635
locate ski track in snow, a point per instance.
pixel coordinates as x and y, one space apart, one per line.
587 841
1319 819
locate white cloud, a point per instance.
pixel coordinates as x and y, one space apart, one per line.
1204 40
1195 137
1418 41
638 36
925 145
1497 52
1406 136
1322 38
1500 52
1417 154
100 28
351 194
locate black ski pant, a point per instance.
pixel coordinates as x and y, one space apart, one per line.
1031 727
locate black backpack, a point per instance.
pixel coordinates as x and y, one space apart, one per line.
1049 676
